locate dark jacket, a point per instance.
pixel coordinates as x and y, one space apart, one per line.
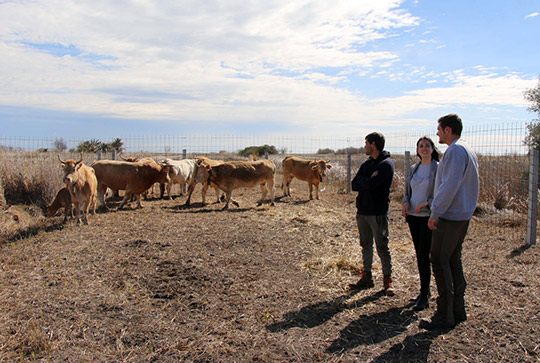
374 192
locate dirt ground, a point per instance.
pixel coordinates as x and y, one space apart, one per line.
170 283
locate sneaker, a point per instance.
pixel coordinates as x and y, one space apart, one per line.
387 283
365 282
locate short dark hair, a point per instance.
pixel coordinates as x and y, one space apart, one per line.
377 138
453 121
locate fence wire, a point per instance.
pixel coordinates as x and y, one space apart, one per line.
503 157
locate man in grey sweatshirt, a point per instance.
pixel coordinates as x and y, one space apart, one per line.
454 202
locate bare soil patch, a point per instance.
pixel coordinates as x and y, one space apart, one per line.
170 283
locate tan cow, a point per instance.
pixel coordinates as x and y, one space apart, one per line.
243 174
62 200
200 175
133 177
81 182
312 171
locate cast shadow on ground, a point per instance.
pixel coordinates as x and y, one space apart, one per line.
316 314
518 251
415 348
373 329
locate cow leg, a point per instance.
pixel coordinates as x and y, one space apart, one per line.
93 199
286 185
127 197
66 211
139 205
101 190
316 191
264 191
310 190
191 188
86 207
169 188
217 195
228 196
77 212
271 188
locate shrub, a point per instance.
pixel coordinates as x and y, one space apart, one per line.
260 150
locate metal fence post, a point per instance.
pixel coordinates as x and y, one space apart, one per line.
349 166
407 164
113 155
99 155
184 185
532 213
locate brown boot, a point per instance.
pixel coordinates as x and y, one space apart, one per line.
387 283
365 282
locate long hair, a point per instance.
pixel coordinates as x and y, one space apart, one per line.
435 153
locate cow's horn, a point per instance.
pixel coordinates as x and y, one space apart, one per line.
62 161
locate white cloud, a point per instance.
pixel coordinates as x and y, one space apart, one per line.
231 61
532 15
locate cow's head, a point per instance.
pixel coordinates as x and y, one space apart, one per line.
320 168
71 170
164 174
202 173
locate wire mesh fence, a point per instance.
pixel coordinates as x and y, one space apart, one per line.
503 158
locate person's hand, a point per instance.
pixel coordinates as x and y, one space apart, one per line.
405 209
432 223
419 207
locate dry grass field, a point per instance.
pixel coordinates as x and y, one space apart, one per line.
167 283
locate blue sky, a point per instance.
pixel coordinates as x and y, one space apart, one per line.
106 69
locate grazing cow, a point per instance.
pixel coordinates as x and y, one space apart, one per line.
133 177
200 175
180 172
243 174
62 200
81 182
309 170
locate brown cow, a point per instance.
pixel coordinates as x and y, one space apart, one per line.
309 170
200 175
133 177
243 174
81 182
62 200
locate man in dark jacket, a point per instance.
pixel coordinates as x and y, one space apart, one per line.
372 182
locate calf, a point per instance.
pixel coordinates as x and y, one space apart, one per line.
62 200
308 170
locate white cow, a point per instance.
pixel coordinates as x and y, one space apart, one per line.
180 172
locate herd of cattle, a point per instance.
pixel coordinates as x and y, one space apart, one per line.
84 184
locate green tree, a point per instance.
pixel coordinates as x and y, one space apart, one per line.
532 96
89 146
259 150
117 145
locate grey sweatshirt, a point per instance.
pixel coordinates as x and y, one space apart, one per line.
456 183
